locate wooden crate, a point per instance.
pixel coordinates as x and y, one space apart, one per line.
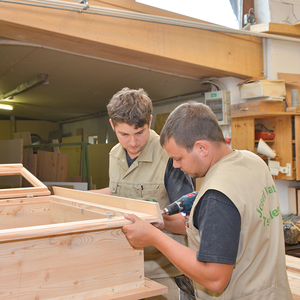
69 245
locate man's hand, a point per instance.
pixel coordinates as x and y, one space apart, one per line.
140 233
175 223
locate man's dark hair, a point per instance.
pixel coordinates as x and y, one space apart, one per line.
190 122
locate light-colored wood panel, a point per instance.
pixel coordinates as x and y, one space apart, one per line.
180 50
56 266
151 208
252 108
67 210
243 133
62 212
89 258
38 188
23 215
297 146
277 28
52 166
293 271
283 132
74 154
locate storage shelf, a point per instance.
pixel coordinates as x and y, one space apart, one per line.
266 141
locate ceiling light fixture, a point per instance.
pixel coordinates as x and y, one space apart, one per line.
6 106
41 78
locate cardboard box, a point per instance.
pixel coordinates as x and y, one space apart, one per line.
262 88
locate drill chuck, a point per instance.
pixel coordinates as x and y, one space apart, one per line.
184 205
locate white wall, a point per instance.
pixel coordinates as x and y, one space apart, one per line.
281 57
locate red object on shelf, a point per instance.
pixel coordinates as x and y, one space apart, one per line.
265 135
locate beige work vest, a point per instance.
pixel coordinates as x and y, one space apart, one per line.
144 180
260 271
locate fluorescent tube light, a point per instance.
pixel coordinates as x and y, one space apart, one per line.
6 106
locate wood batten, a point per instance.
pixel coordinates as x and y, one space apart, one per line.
178 50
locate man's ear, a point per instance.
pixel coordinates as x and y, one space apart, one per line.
202 147
111 124
150 121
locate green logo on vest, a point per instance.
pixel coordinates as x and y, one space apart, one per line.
270 215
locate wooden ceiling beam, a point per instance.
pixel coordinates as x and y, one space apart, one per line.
184 51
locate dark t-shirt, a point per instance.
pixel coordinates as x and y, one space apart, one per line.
219 224
177 183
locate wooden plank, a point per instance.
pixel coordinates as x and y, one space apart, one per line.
243 133
292 263
19 192
294 282
57 266
52 166
151 208
252 108
293 271
30 163
292 81
17 169
284 150
82 186
75 155
191 52
23 215
70 211
293 209
297 147
148 289
50 187
14 234
277 28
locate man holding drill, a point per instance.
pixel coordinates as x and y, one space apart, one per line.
139 168
236 244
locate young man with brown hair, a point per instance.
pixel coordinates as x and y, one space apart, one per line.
139 168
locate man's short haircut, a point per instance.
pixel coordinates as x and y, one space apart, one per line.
130 106
190 122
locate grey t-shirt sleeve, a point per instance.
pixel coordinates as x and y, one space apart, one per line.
219 224
177 183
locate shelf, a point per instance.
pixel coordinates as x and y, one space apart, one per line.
266 141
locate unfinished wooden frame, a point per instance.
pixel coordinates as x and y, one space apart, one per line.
70 245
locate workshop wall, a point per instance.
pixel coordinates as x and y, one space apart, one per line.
5 131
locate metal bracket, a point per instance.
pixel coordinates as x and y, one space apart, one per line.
86 2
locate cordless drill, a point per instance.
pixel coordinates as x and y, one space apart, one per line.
183 204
